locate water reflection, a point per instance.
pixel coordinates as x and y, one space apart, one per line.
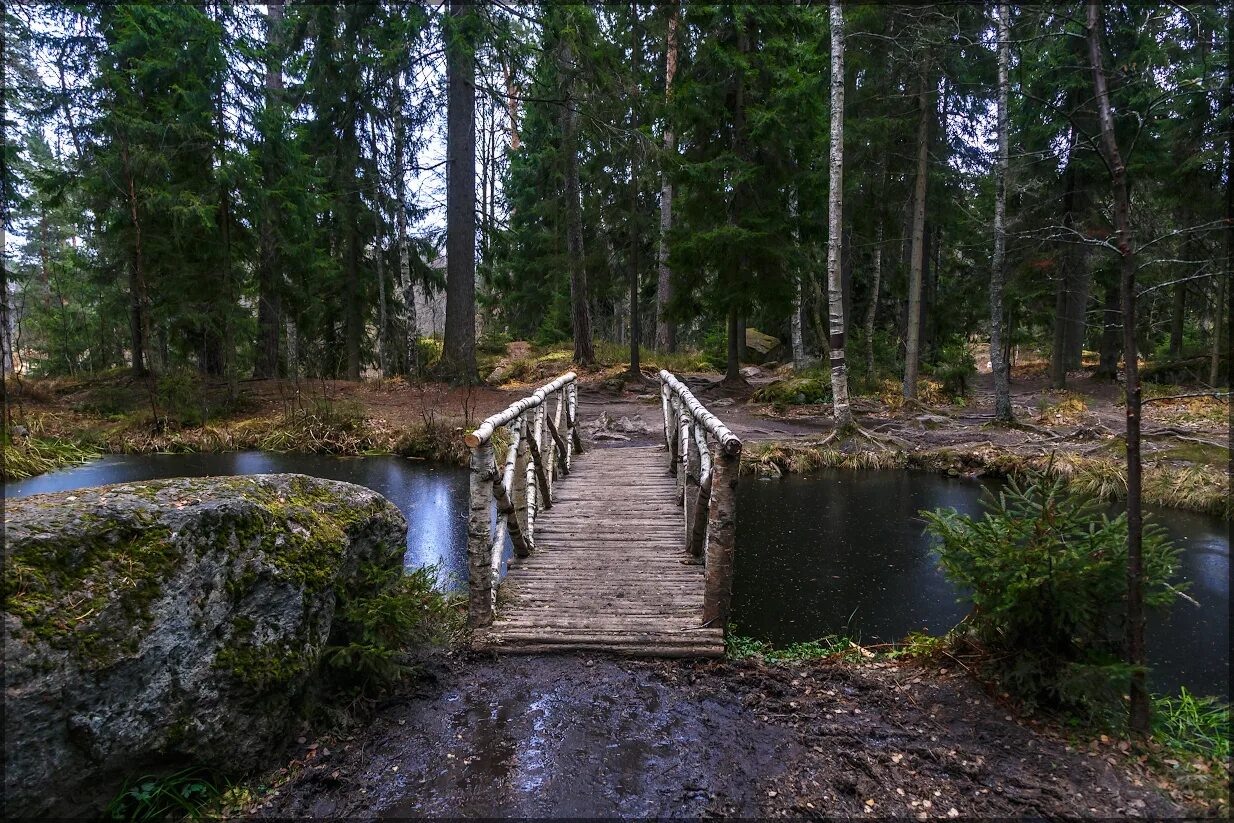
845 552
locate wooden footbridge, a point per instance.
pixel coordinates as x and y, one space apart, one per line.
625 549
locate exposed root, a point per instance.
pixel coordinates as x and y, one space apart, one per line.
856 432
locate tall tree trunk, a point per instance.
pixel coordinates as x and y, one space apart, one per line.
1111 333
912 332
269 295
635 62
732 368
876 279
1222 312
1062 283
511 104
795 329
411 348
385 359
139 301
1177 316
841 411
666 332
737 268
1002 379
353 319
1140 707
580 308
459 347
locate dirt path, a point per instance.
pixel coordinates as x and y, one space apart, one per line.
577 736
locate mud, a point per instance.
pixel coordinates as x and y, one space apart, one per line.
576 736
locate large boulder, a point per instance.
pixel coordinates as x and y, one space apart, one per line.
176 622
762 348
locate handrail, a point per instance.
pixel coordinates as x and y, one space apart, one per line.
543 450
711 516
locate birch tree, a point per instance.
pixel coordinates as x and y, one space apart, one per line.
998 275
835 225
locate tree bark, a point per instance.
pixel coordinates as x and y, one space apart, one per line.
1222 313
139 301
666 332
353 318
580 308
269 295
876 279
411 348
795 330
459 346
1062 284
1111 334
636 333
511 105
841 412
912 332
1140 706
1002 379
732 370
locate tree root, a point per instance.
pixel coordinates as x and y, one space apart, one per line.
857 432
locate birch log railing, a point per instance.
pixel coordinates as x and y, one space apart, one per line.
540 449
706 489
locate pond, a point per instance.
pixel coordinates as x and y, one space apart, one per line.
843 552
836 552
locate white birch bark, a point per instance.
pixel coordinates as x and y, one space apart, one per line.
1002 387
835 223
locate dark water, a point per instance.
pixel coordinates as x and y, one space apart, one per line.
433 497
831 553
845 552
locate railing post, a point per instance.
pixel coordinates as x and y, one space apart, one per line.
693 465
576 441
721 537
479 536
523 490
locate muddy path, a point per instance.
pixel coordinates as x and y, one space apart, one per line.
578 736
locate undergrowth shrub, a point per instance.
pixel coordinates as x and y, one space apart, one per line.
954 368
1045 572
378 639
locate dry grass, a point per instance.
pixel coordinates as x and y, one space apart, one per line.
1062 408
1201 488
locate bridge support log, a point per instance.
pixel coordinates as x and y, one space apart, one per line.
479 536
721 539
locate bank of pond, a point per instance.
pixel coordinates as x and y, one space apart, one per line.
836 552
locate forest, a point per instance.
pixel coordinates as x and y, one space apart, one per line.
882 350
247 190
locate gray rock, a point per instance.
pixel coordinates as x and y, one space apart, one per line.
176 622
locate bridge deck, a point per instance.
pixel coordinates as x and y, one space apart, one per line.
609 571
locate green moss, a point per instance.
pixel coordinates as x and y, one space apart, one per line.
262 667
59 584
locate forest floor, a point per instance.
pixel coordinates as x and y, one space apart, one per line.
1074 433
579 736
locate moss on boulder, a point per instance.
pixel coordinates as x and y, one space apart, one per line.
173 621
